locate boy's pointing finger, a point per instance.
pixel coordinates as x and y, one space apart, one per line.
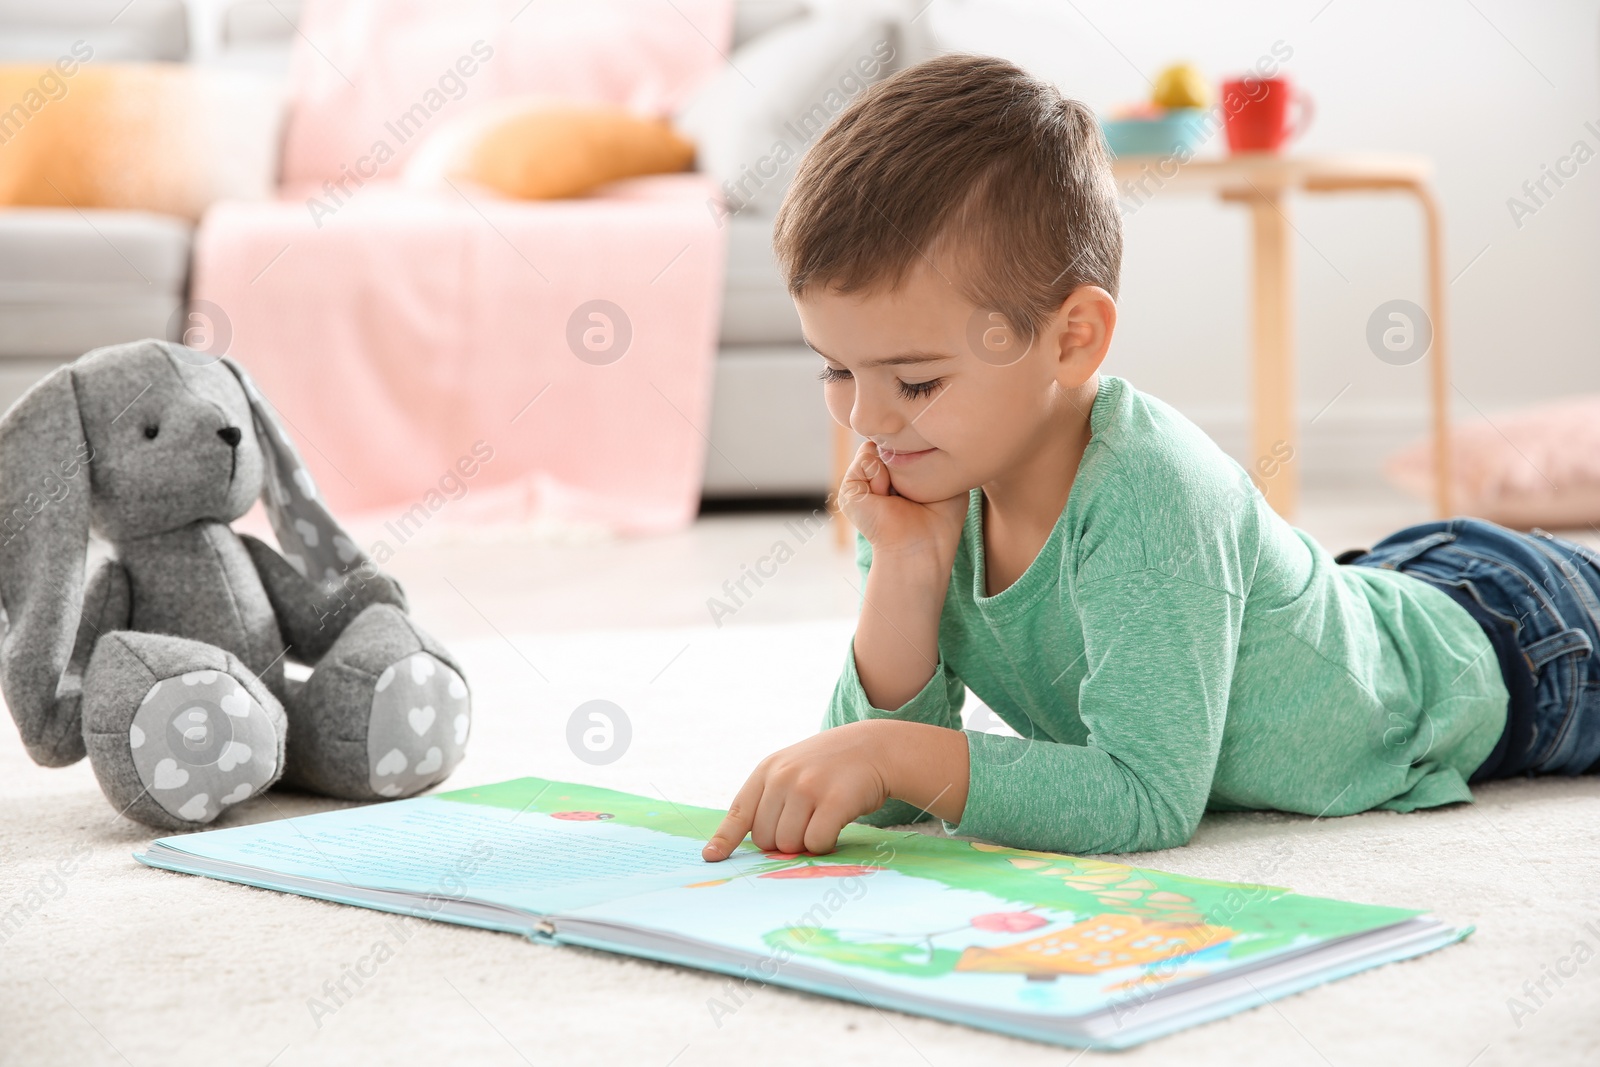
733 828
729 833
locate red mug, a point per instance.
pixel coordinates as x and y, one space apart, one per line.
1256 113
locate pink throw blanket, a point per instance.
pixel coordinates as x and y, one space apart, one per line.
414 334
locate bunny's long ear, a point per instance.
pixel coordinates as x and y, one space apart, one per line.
44 541
309 537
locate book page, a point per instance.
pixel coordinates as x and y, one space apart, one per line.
517 856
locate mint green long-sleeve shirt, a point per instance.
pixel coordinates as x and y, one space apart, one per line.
1176 646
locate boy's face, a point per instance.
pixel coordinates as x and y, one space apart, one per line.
951 396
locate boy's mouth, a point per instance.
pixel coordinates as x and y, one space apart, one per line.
900 459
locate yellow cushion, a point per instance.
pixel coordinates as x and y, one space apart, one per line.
543 150
148 137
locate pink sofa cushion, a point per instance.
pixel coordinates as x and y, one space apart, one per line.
372 78
1536 467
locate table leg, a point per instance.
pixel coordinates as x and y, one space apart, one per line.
1439 354
1438 311
1273 438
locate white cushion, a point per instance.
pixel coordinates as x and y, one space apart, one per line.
753 121
752 18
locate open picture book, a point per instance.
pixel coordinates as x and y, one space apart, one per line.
1056 948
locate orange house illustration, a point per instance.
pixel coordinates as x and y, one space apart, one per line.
1101 943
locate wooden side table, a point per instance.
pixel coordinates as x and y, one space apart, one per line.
1263 182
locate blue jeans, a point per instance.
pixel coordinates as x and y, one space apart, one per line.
1537 598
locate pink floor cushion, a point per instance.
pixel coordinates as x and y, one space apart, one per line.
1537 466
371 78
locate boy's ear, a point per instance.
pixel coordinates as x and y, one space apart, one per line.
1082 328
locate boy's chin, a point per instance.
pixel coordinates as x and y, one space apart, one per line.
926 490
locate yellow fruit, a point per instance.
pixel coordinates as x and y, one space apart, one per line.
1181 85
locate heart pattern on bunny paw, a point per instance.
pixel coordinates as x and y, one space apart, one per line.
169 775
421 714
206 739
393 762
194 809
421 718
240 792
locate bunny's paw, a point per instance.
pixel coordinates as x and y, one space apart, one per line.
177 730
385 714
421 716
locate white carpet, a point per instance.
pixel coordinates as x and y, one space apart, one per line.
120 964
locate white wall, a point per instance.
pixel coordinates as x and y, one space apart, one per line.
1490 89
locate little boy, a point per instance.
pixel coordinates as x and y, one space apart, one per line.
1084 559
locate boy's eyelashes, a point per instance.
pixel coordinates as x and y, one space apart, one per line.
908 390
918 390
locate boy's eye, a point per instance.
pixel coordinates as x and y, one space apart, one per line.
918 390
834 374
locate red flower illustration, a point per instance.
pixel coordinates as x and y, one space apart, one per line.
822 870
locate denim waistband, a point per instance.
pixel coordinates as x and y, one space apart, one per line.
1537 598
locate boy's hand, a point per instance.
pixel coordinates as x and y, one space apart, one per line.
913 549
893 524
799 798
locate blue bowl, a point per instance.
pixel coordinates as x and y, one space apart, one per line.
1180 129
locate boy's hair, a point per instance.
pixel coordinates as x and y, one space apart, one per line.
961 153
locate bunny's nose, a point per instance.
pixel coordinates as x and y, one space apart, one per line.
231 435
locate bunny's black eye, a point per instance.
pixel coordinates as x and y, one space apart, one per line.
151 430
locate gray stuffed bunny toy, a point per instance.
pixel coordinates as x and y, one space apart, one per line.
168 670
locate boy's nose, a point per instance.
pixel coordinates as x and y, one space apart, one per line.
873 418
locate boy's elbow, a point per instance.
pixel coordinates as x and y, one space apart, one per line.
1166 827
